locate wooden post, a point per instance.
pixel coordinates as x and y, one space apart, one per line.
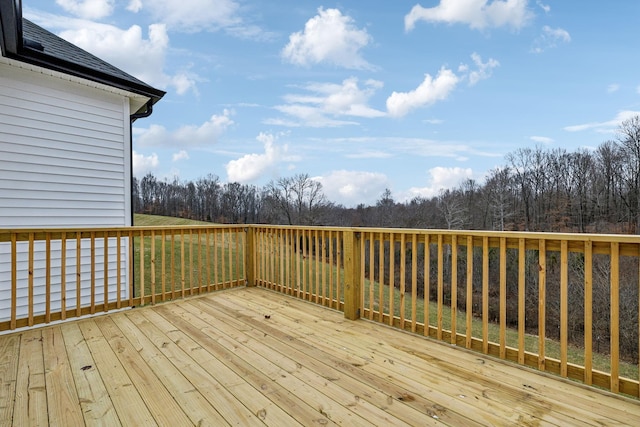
352 285
250 256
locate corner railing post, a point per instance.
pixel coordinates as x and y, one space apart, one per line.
250 256
352 285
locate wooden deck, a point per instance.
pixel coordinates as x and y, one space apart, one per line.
254 357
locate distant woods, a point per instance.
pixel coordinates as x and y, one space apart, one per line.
537 189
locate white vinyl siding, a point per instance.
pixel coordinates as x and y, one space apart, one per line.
64 163
64 153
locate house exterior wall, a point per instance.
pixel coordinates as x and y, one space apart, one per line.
64 153
64 163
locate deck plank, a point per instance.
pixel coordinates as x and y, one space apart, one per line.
434 401
255 357
223 384
286 398
31 396
309 385
62 396
95 402
161 404
189 398
292 353
9 349
129 405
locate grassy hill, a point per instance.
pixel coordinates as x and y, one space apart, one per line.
157 220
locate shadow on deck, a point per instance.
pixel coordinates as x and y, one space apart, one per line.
250 356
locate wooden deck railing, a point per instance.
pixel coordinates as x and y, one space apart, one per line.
567 304
49 275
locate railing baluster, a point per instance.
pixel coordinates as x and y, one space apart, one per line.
426 285
47 251
106 270
381 278
182 266
323 263
317 263
469 304
521 299
93 272
163 256
131 265
79 271
172 265
414 282
454 288
63 275
371 274
503 297
614 326
141 268
485 294
588 312
153 267
392 273
281 258
564 306
14 279
118 271
542 280
200 269
360 267
207 256
440 283
403 277
191 281
30 280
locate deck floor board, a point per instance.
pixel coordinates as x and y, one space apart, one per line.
255 357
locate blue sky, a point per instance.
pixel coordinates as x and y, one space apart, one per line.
362 95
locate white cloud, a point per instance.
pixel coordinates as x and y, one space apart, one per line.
484 69
326 102
550 38
134 6
125 49
542 139
478 14
429 91
180 155
440 178
331 38
351 188
128 50
200 136
88 9
614 88
195 15
253 166
543 6
608 126
143 164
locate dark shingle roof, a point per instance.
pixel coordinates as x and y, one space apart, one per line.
25 41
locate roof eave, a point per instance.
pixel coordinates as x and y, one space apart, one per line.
35 57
